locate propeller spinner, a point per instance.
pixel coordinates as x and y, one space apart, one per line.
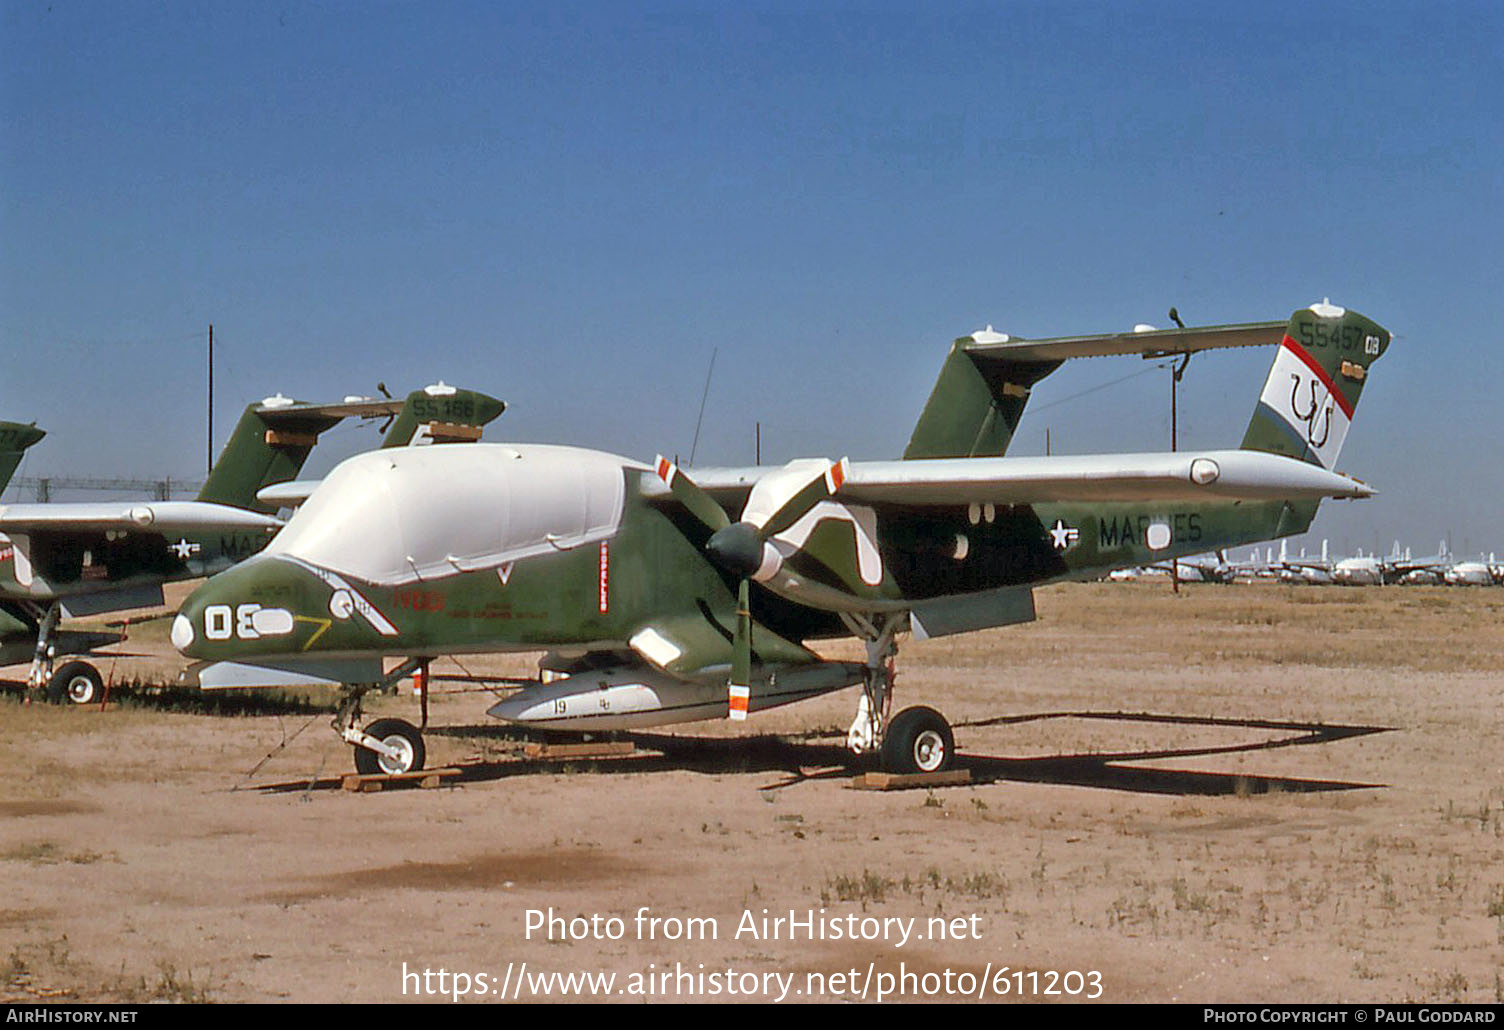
744 548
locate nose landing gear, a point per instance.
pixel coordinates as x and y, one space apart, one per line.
389 746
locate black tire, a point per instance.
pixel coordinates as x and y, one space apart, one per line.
918 740
78 682
397 732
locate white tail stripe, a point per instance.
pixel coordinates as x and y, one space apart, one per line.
1306 404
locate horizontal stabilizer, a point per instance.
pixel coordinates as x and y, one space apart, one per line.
434 414
1149 343
986 380
282 411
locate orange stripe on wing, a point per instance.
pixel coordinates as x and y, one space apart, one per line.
835 476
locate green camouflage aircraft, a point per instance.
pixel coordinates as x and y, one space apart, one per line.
661 596
14 439
74 560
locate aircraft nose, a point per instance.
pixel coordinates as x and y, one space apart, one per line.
239 612
182 632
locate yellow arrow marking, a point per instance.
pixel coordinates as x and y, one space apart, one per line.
322 624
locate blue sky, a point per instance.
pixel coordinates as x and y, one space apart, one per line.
573 206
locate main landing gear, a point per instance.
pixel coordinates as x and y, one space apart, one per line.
77 682
916 740
389 746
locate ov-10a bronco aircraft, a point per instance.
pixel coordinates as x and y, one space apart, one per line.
665 596
84 559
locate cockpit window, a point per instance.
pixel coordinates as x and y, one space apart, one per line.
398 516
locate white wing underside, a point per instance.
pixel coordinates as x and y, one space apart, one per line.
1186 476
154 516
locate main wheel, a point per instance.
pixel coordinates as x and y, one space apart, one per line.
78 682
397 733
918 740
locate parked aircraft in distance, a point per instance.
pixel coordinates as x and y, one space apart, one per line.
1359 571
1430 571
1474 573
74 560
662 595
1300 569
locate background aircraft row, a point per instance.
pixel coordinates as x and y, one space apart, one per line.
1397 567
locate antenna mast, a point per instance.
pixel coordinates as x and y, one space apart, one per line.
711 371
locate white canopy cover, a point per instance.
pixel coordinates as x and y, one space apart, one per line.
403 515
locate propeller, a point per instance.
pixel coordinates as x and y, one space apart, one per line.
744 548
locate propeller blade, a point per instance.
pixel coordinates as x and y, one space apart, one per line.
739 686
777 501
821 487
699 503
782 498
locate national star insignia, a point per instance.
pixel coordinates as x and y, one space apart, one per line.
1063 537
184 548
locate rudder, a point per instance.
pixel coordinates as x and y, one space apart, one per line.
1314 385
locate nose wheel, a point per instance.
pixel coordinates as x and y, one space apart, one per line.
386 746
402 748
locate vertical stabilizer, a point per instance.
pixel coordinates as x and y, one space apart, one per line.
264 449
1313 388
977 401
442 414
15 437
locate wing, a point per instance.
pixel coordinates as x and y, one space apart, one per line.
153 516
290 494
1186 476
111 552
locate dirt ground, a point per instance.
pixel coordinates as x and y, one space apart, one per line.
1321 820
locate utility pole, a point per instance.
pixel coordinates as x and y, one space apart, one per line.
1174 382
1176 374
210 445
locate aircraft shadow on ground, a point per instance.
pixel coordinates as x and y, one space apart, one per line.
816 757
